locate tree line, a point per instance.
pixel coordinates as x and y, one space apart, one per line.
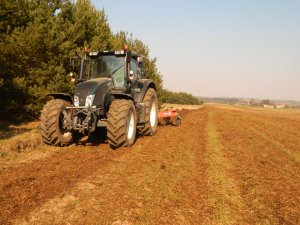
179 98
37 39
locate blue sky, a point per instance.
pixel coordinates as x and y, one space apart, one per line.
228 48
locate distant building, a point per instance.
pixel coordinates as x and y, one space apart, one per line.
280 106
269 106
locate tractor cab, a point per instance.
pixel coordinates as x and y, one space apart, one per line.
108 65
122 67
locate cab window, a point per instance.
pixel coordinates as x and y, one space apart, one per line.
109 66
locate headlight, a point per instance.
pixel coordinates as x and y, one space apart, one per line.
89 100
76 100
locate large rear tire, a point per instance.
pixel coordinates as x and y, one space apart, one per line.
151 117
178 122
121 123
51 124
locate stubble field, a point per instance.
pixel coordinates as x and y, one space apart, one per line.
224 165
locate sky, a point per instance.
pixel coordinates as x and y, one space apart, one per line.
217 48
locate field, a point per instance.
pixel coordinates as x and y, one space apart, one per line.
224 165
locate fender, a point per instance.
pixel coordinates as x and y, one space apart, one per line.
62 96
117 95
144 85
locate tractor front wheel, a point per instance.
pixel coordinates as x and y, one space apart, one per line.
121 123
52 123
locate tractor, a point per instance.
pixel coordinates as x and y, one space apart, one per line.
110 92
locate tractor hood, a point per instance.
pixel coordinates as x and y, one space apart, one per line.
98 88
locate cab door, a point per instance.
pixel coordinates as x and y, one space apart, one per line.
134 75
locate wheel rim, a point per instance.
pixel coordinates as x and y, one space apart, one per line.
153 114
130 126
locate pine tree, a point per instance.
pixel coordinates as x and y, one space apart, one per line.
37 39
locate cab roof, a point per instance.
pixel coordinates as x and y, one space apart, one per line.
116 52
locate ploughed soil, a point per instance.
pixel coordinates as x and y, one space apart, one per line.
223 165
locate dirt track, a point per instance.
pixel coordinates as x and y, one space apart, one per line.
222 166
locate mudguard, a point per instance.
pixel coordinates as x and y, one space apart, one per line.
144 85
62 96
117 95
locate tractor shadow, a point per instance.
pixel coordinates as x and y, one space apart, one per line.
94 139
97 138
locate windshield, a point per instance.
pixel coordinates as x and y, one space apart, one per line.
109 66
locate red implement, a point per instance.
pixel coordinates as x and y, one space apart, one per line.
169 117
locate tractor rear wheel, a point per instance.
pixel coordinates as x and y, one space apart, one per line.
52 127
151 117
121 123
178 122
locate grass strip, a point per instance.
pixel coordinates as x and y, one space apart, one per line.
225 196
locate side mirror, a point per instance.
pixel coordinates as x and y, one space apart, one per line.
72 63
73 79
140 60
131 75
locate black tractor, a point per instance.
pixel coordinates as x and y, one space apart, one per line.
110 92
